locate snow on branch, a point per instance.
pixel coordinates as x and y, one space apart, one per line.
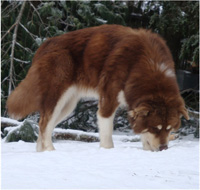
7 122
21 61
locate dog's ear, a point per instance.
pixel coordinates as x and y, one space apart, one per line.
183 112
141 110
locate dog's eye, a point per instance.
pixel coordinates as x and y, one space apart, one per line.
169 127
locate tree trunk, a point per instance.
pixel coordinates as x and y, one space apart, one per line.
11 72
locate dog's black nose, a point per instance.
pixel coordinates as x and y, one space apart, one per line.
163 147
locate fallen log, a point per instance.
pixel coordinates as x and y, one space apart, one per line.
7 122
67 135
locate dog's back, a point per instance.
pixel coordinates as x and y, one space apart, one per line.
84 57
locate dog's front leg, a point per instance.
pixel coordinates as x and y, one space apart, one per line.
105 130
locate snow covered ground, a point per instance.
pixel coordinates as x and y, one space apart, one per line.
80 165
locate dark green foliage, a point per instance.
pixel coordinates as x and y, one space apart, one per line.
178 22
190 46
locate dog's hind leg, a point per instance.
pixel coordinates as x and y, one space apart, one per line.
64 107
67 109
44 141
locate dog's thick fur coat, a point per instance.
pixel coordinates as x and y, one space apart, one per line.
120 66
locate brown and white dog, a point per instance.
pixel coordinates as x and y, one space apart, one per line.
118 65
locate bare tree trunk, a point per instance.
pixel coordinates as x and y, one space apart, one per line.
11 81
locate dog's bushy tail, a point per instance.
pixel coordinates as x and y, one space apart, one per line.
24 100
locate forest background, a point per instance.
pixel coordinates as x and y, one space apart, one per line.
25 25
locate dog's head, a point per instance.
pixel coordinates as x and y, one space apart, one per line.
155 120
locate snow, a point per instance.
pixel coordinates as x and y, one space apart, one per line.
8 120
80 165
102 21
77 132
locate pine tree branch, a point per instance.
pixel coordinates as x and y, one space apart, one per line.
21 61
8 31
32 35
36 12
38 15
11 82
24 48
5 54
189 90
10 8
